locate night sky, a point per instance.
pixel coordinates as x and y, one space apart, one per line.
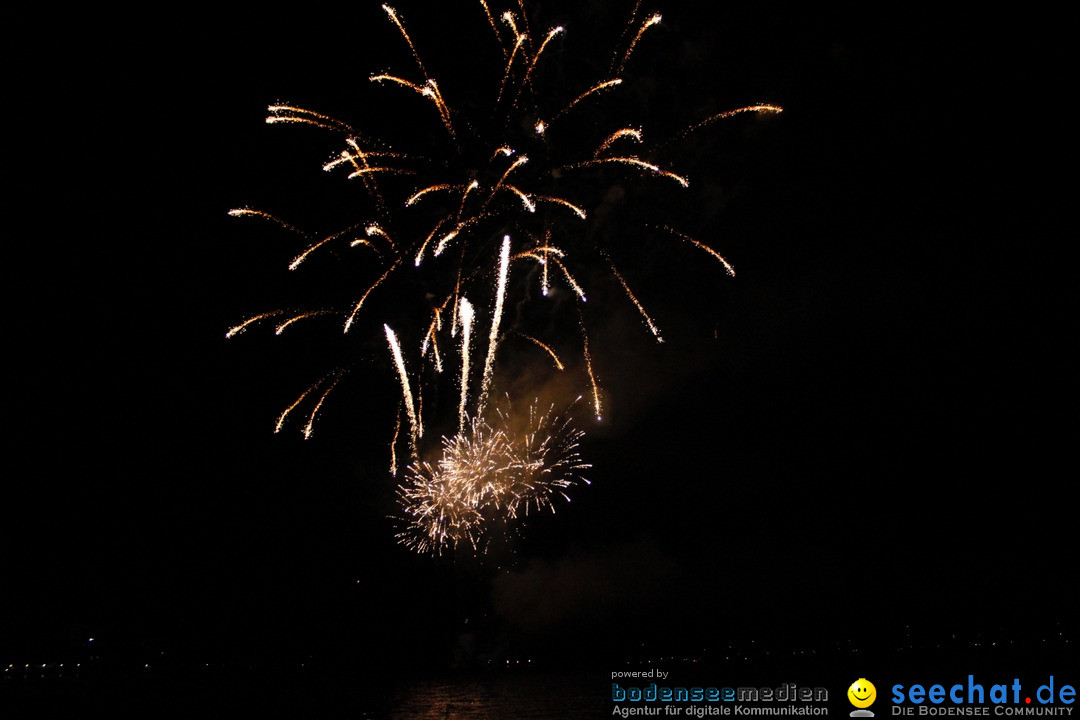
867 435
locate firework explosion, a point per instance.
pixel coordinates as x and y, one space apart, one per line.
495 209
488 477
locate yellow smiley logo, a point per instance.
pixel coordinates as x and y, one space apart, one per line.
862 693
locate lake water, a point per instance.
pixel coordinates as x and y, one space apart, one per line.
498 696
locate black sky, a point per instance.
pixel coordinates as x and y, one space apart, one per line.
875 418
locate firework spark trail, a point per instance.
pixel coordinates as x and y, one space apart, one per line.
361 172
430 189
416 56
589 367
249 212
560 201
703 246
435 352
393 443
543 127
446 239
418 89
310 249
493 335
764 109
617 135
539 253
360 302
465 315
367 178
285 413
544 284
569 278
431 339
508 18
524 15
296 261
454 309
494 27
365 243
309 428
302 116
519 40
626 31
630 294
432 91
536 58
547 349
455 232
302 316
653 20
358 160
375 230
237 329
423 246
414 422
465 196
525 199
350 158
634 162
429 90
518 162
760 108
429 335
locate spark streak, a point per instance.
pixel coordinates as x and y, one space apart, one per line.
309 428
703 246
302 116
465 315
493 334
525 199
569 278
760 108
360 302
237 329
592 375
296 261
491 21
281 418
393 443
630 294
547 349
591 91
246 212
617 135
433 188
565 203
399 362
302 316
635 162
397 21
536 58
653 20
518 162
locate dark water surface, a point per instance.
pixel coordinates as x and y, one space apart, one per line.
476 697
